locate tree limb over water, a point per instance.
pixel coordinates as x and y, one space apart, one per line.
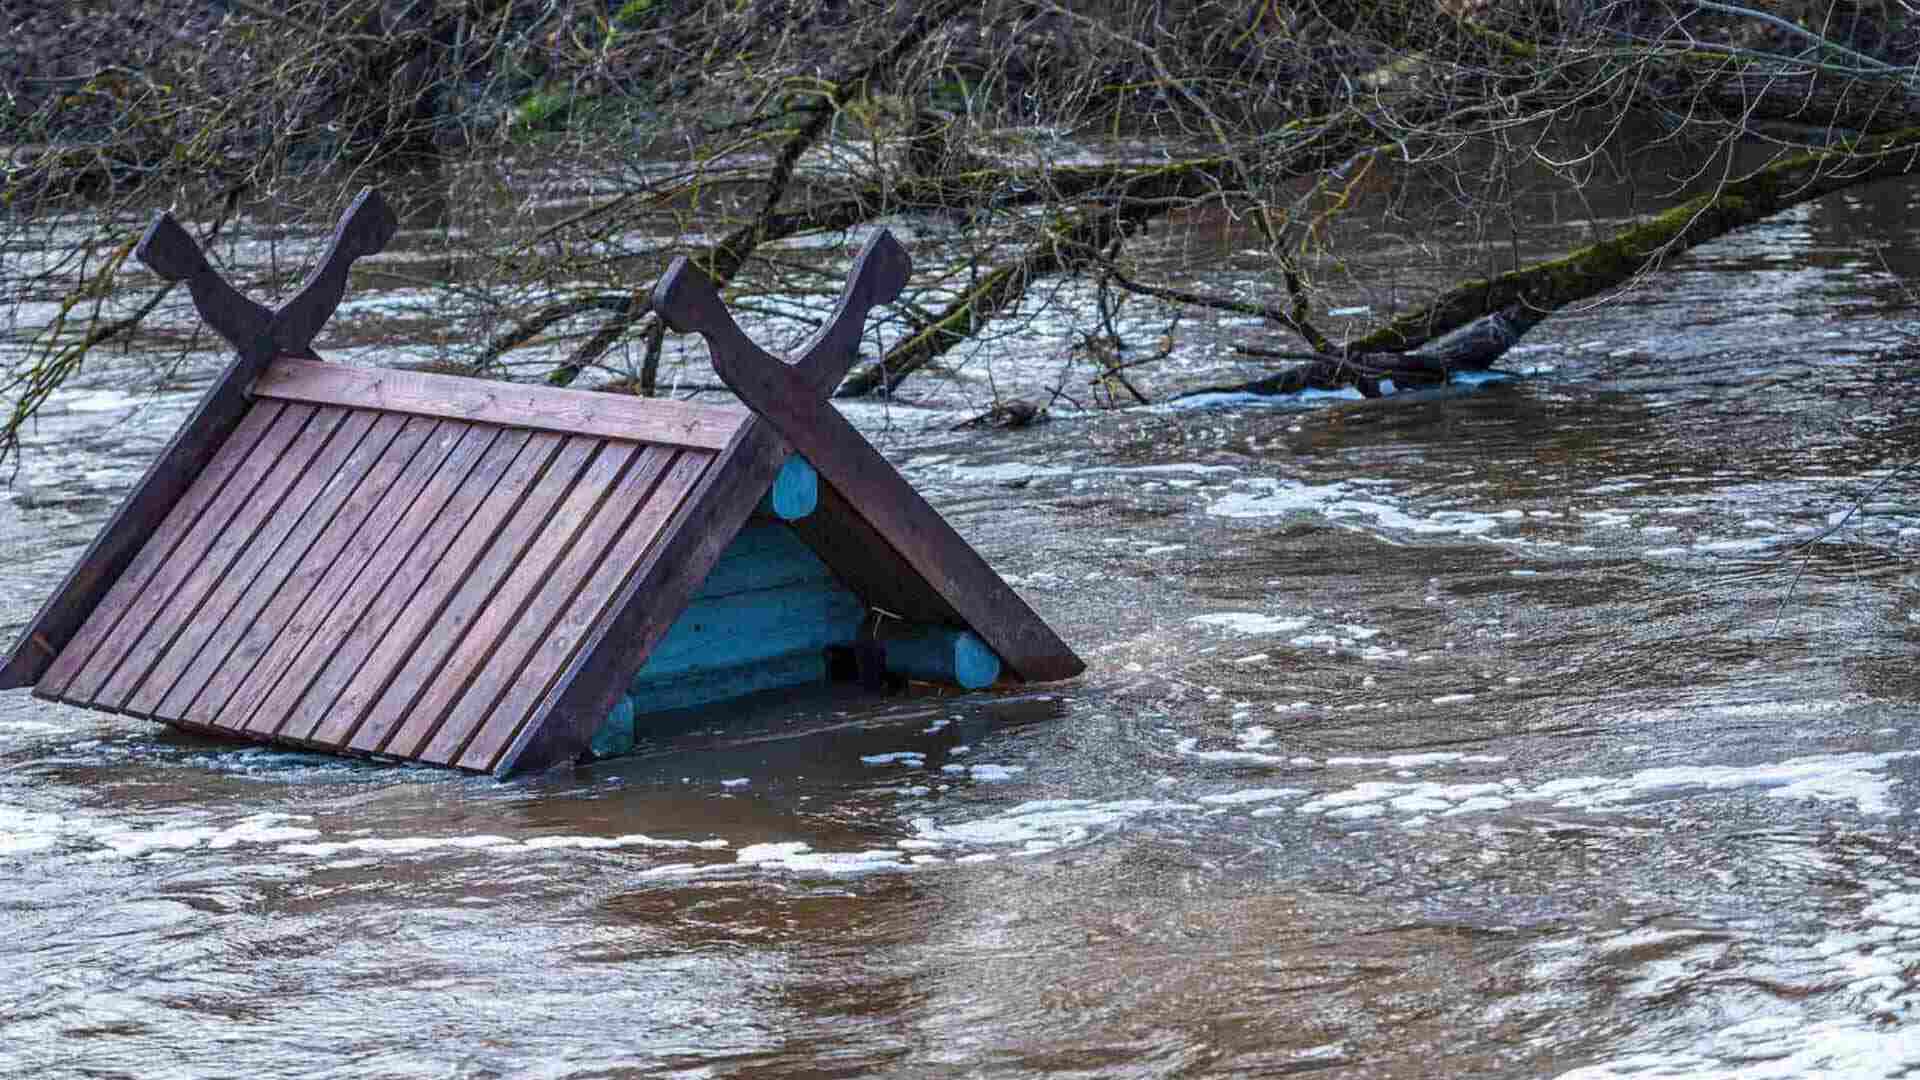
1497 312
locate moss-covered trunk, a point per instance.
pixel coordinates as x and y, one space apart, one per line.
1597 269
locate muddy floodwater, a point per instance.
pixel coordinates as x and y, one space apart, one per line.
1562 726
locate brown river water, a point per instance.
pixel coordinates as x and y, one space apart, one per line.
1560 727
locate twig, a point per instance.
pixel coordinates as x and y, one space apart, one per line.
1807 544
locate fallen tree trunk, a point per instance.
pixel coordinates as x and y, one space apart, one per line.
1524 297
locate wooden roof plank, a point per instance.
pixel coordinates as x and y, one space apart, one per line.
263 567
229 571
152 559
570 412
213 540
356 575
314 713
487 649
575 618
603 537
245 631
588 681
479 561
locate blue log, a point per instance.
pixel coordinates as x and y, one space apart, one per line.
940 654
795 493
742 628
763 556
615 736
705 687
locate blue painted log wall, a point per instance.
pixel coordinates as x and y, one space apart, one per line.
762 620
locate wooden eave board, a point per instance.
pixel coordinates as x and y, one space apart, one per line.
395 564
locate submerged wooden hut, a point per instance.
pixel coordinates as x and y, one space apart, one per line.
488 575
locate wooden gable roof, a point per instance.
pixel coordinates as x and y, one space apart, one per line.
466 572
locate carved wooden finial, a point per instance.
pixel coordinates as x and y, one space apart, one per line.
167 250
687 300
257 332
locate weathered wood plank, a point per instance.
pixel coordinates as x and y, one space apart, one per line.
541 602
153 556
575 699
220 580
409 608
335 556
269 563
519 710
145 507
494 644
314 665
476 565
572 412
213 534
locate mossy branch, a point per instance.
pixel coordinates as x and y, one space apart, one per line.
1603 267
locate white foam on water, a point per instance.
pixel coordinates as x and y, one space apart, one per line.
1853 1020
994 773
1052 823
1249 623
104 840
1255 737
1418 761
491 844
797 856
1775 1048
997 474
21 843
93 401
1754 544
1372 797
1346 503
1252 795
1189 747
1856 778
911 758
23 831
